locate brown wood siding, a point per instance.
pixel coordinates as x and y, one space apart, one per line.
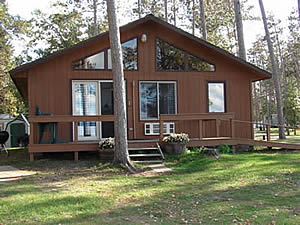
50 84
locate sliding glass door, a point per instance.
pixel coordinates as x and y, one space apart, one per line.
93 98
107 108
157 97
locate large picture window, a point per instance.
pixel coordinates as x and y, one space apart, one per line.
216 97
157 98
93 98
170 58
102 60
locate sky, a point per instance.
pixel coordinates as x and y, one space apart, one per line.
281 10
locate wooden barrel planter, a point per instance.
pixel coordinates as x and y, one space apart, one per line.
175 148
106 154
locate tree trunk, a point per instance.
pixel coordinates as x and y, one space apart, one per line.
139 8
121 155
239 28
174 11
95 17
193 18
166 10
275 71
282 71
299 10
203 20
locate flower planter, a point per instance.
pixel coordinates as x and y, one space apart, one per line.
174 148
106 154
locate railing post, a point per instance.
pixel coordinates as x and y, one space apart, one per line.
31 142
268 132
200 129
218 127
75 132
161 129
232 128
31 138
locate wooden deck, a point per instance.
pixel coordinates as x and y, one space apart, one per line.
76 146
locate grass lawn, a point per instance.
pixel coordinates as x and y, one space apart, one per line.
252 188
290 140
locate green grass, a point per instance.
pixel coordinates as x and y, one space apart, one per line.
252 188
293 140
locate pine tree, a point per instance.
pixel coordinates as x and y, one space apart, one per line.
121 155
239 28
276 74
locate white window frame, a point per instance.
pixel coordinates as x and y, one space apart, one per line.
98 107
166 125
157 97
224 96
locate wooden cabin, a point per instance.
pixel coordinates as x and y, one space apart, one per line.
172 79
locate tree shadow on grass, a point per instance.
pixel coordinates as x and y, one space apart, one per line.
260 203
209 196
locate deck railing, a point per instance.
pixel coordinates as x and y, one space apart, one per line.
267 134
66 119
200 117
76 146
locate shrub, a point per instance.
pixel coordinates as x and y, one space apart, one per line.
108 143
225 149
177 138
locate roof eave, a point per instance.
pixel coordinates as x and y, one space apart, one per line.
134 23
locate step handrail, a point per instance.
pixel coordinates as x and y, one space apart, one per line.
160 151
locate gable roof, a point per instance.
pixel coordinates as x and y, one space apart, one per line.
145 19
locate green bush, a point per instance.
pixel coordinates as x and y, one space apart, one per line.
225 149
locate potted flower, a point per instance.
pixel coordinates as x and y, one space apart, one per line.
175 143
107 149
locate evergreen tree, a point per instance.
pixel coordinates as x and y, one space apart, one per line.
10 27
121 155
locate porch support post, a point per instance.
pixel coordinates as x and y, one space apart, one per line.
268 132
200 129
31 157
76 156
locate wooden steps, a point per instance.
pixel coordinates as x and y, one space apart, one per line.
149 161
146 155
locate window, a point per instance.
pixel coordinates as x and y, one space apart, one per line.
157 98
216 97
92 62
170 58
102 60
153 128
93 98
130 55
196 64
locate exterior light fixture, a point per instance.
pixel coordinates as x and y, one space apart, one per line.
144 38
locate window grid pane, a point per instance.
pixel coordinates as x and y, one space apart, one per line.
148 100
